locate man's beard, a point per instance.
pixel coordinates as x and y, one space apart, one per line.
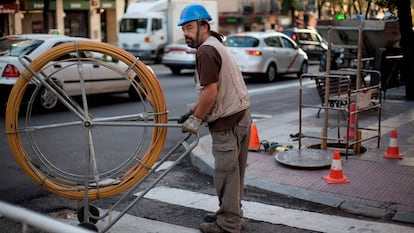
190 42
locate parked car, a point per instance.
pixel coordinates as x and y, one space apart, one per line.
309 40
179 56
99 78
267 54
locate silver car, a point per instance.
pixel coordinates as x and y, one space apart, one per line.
267 54
98 78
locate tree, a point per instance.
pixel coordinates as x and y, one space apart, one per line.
406 30
403 9
45 16
289 6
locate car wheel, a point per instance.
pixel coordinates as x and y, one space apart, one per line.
303 69
175 70
158 57
271 73
46 99
322 63
324 60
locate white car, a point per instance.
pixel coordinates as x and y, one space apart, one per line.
267 54
179 56
98 77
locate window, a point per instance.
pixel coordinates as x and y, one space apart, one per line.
133 25
316 38
304 36
156 24
273 41
242 41
71 55
18 47
287 43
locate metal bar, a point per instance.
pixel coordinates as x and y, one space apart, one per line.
155 167
300 111
345 46
38 221
318 137
188 148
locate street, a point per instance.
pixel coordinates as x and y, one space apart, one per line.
266 99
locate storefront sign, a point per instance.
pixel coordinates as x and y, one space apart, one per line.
108 4
9 8
67 5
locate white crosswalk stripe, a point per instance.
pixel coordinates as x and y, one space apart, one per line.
275 214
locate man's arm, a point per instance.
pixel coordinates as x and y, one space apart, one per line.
206 100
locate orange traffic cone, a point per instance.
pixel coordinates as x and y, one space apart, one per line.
254 143
336 175
392 151
351 131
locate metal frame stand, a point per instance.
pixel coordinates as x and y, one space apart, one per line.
88 215
350 94
188 148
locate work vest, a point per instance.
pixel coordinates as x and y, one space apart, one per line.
232 92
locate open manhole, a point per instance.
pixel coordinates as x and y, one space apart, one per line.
341 147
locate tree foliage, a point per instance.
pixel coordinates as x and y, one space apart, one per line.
289 5
391 5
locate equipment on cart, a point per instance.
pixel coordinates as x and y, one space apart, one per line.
88 170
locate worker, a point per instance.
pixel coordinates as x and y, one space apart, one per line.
223 104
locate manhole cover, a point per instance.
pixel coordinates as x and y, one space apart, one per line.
305 158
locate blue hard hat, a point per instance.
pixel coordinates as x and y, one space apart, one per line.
193 12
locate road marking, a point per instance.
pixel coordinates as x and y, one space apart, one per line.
261 90
275 214
129 223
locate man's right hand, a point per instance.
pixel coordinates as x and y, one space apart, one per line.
191 125
184 117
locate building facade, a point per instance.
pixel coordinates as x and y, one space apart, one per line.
98 19
95 19
248 15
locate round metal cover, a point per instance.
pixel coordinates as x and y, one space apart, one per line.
305 158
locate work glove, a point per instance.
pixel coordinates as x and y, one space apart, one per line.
184 117
191 125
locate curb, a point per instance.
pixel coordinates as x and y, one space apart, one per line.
202 159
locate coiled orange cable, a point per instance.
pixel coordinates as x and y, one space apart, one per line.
67 188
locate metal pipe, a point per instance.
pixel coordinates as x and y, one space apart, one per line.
39 221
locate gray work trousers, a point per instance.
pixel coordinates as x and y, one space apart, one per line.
230 148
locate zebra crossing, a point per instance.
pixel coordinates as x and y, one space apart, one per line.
273 214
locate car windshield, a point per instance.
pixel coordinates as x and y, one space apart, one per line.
12 46
305 36
134 25
242 41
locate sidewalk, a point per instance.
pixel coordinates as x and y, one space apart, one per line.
378 187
